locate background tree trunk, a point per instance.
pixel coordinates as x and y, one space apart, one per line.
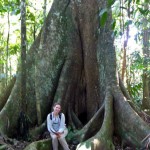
44 9
7 51
146 81
125 44
22 120
23 55
146 74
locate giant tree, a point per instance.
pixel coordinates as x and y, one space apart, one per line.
72 61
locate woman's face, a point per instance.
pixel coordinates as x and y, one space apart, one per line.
57 109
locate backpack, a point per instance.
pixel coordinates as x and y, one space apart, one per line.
59 116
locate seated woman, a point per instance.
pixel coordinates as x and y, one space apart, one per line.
57 128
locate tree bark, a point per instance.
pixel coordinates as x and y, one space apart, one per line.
23 55
146 81
125 44
73 62
4 95
7 50
44 9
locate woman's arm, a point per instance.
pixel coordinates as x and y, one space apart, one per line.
49 124
62 124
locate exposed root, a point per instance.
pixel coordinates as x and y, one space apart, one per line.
129 125
37 131
11 144
76 121
70 118
146 117
6 93
124 90
141 113
93 124
146 142
91 127
42 145
103 139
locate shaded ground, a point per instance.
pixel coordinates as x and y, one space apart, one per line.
14 144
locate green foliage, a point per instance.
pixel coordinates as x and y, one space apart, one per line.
135 84
104 13
143 11
136 61
9 6
135 91
110 2
30 17
34 21
113 24
103 16
131 18
136 1
14 49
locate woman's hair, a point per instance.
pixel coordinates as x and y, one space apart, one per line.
57 103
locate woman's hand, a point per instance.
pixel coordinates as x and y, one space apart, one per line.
59 134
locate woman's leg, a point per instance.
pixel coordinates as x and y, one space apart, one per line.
62 140
54 141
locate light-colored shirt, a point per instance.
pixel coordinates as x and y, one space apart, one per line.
56 124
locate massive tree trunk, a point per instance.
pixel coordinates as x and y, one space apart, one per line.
72 61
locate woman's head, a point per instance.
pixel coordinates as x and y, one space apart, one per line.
57 108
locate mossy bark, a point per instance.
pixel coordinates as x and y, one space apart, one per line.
103 138
40 145
5 93
73 62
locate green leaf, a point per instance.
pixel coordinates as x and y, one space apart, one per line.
113 24
143 11
137 1
110 2
30 16
128 22
14 49
15 12
114 33
103 16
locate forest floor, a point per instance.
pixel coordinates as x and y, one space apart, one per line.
14 144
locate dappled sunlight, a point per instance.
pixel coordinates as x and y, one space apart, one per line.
10 24
84 146
133 45
88 145
96 143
